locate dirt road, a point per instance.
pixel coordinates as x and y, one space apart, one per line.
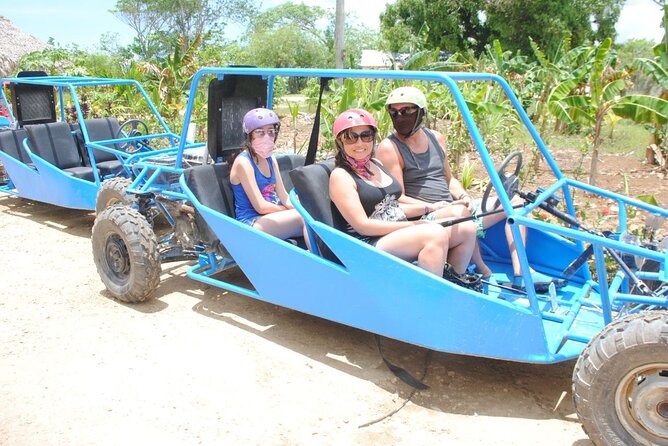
199 365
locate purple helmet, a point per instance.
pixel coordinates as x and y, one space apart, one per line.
259 117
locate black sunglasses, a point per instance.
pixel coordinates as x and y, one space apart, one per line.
350 137
394 112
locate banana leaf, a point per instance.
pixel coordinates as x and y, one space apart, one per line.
642 109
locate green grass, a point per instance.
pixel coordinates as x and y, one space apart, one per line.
628 138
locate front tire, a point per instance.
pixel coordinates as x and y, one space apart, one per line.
125 250
620 382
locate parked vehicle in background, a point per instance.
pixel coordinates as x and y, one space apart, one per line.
57 149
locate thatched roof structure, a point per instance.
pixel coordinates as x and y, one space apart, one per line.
14 43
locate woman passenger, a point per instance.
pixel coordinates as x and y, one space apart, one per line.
366 207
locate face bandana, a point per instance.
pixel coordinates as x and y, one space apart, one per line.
406 125
264 146
361 166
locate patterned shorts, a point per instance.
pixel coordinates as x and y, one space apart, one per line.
480 231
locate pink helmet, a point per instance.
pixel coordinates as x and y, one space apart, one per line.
352 118
257 118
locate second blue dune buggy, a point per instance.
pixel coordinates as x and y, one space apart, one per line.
56 149
610 315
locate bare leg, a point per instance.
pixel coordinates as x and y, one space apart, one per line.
282 224
480 265
428 243
463 244
491 220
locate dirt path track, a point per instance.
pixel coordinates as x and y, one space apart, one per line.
199 365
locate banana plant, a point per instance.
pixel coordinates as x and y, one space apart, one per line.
657 69
588 98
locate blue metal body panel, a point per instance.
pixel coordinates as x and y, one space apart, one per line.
48 184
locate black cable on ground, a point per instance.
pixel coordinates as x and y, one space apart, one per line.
427 361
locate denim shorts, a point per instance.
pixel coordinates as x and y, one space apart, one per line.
249 221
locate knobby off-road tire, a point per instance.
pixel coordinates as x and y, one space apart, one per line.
112 191
125 250
620 382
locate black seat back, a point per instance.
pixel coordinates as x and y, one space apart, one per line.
229 99
286 163
210 183
11 142
55 143
102 129
312 186
33 104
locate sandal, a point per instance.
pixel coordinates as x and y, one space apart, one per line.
466 280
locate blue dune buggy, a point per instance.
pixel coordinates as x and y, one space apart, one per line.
56 149
610 315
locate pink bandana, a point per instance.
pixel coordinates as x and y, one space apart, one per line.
361 166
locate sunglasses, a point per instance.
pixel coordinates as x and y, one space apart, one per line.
352 137
260 133
394 112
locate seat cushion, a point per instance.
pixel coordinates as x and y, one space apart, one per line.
111 167
85 173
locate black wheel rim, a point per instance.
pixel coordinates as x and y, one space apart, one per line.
117 258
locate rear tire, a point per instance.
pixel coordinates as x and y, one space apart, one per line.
125 250
113 191
620 382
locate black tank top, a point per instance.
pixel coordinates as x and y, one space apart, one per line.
370 196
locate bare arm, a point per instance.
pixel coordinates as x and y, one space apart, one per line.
343 192
242 171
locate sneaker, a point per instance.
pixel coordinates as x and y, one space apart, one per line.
466 280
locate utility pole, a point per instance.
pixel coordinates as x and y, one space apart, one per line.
339 33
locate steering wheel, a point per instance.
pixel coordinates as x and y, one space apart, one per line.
129 129
511 183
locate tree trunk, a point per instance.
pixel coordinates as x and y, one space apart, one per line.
593 171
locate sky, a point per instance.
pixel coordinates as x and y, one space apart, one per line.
83 22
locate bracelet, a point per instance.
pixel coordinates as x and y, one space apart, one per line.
461 197
427 210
